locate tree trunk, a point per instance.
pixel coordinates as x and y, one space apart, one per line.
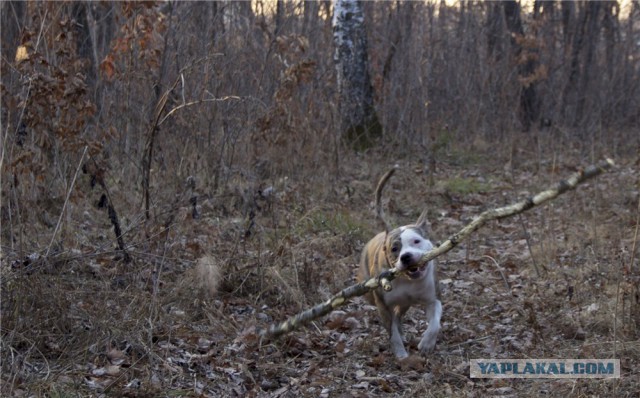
310 26
611 25
494 30
12 14
279 17
359 122
592 35
568 11
215 25
310 17
573 44
529 107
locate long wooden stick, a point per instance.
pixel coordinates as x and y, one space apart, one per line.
385 278
520 207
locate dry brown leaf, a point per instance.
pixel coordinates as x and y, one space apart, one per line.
412 362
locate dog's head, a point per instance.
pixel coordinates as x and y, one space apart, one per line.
405 246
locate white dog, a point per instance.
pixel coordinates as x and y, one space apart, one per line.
402 248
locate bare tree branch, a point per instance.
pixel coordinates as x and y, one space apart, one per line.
191 103
153 130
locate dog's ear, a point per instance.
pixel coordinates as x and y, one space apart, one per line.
423 223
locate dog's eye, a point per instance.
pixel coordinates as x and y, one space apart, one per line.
394 249
416 241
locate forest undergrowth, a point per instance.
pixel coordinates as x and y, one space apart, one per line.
181 316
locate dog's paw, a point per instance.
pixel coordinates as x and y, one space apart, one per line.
401 355
427 344
399 351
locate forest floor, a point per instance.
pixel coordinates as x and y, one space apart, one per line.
180 320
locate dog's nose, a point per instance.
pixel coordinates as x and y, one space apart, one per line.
406 258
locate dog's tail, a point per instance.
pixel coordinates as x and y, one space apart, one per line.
379 188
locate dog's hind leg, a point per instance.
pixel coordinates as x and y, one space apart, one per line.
391 322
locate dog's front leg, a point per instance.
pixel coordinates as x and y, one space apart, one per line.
391 320
428 341
397 345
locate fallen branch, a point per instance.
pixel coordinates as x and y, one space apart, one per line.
97 175
385 278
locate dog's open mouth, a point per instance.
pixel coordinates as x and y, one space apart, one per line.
415 271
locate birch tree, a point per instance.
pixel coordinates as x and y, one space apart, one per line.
359 122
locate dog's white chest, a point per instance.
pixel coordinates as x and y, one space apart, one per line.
407 292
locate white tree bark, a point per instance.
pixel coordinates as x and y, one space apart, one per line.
359 123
